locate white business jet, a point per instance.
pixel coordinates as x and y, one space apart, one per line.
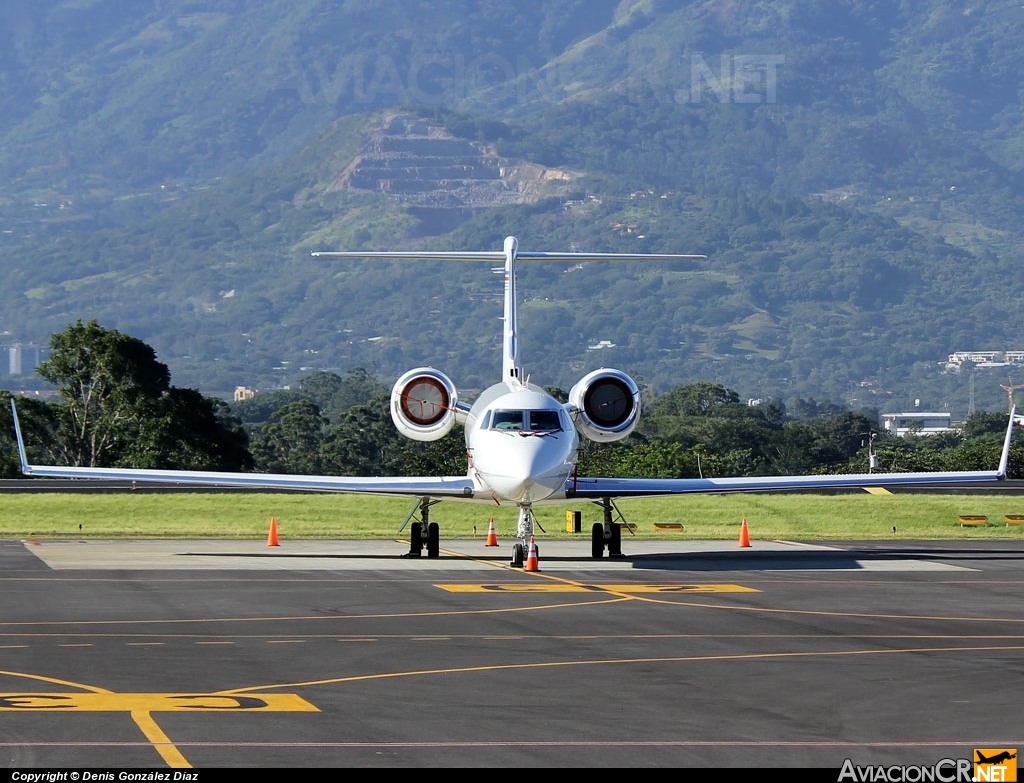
522 444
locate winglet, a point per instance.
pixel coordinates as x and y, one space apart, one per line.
25 468
1004 460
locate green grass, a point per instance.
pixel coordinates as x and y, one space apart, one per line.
247 515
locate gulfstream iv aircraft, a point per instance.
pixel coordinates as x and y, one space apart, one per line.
522 444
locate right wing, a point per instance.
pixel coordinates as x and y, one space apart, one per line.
582 487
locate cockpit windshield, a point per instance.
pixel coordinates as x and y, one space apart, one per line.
544 421
526 420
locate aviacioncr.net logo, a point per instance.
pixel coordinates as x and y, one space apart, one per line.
944 771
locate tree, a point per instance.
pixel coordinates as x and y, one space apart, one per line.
361 444
815 445
106 383
694 399
291 441
116 407
335 394
320 388
985 422
366 443
259 408
188 429
654 460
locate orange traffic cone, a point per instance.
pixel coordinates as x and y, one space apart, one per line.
272 538
531 563
492 537
744 534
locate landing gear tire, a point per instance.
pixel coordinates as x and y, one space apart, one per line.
597 541
433 540
415 541
615 543
518 556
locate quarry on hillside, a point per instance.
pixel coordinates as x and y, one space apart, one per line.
421 164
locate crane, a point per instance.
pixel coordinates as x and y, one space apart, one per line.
1010 390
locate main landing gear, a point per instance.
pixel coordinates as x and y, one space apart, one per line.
423 532
609 533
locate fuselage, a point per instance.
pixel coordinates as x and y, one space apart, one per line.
521 443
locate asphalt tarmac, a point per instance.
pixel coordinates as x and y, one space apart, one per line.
321 654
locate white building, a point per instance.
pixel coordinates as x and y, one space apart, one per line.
23 359
917 423
984 358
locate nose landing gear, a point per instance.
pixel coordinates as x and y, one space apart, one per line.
524 532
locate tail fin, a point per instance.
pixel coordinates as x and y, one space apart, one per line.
510 338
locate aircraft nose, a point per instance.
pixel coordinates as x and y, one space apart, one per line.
528 474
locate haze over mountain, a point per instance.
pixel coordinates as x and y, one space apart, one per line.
852 169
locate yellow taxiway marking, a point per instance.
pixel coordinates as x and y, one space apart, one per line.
569 587
153 702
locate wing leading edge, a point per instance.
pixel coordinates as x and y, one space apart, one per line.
624 487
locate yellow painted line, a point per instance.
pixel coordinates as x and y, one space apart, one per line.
565 587
161 742
25 702
153 702
545 587
698 588
877 491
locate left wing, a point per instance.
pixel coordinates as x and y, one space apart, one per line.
419 486
624 487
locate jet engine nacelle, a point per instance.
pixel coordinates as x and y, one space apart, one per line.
423 404
605 405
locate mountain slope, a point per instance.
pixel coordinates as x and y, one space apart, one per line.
851 168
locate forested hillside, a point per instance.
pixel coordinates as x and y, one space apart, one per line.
852 169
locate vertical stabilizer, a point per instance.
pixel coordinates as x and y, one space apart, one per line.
510 337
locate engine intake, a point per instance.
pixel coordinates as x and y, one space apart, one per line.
423 404
605 405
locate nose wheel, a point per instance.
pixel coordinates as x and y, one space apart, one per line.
520 552
518 556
